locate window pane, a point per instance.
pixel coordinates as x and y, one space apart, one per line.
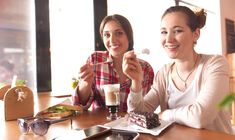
17 41
72 40
145 16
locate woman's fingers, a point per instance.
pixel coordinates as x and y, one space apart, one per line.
131 66
86 72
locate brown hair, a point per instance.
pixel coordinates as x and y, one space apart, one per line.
124 23
195 19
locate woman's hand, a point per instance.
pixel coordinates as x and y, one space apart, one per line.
86 74
132 68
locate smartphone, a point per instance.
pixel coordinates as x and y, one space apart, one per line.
98 132
93 131
84 134
118 135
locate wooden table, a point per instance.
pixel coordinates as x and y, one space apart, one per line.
9 129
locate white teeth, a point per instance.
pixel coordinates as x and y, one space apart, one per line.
115 46
171 46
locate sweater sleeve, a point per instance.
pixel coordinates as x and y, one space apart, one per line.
214 85
77 100
155 97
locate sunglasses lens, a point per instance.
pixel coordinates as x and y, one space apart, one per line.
23 126
39 127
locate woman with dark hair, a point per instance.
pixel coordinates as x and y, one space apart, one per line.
189 89
105 67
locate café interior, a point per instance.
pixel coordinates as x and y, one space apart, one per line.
43 43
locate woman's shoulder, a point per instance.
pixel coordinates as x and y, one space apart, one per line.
166 67
212 62
213 59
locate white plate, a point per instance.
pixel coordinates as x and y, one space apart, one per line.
124 124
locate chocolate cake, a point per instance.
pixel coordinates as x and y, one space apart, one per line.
147 120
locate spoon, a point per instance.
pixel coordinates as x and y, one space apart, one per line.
144 51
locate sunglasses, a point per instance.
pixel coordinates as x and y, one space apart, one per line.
39 126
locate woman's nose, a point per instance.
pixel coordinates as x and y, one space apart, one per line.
113 38
170 37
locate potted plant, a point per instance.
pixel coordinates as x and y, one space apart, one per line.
227 102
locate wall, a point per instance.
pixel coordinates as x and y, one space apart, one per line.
227 11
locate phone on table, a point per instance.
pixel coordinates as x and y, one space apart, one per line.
84 134
118 135
98 132
94 131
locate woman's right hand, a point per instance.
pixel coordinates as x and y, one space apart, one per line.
86 74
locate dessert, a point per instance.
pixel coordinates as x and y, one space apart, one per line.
147 120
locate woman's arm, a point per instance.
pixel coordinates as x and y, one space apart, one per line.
155 97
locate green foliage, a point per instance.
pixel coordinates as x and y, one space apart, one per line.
227 101
20 82
74 83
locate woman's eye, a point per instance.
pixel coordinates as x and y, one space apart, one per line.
106 35
118 34
178 31
163 32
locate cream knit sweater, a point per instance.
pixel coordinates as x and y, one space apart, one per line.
203 112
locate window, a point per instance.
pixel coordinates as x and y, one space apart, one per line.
72 40
144 17
17 41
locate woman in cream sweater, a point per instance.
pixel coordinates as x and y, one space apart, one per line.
189 89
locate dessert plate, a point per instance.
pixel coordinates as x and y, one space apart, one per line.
124 124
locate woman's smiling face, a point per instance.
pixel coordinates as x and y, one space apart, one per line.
176 37
115 38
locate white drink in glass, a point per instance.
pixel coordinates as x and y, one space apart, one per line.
112 99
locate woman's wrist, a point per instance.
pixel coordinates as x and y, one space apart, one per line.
84 91
136 86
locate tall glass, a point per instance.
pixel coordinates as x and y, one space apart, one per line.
112 100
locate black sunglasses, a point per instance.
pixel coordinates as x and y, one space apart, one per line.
39 126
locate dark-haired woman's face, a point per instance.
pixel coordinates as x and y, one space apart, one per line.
176 37
115 39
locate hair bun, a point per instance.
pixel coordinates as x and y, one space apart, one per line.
201 17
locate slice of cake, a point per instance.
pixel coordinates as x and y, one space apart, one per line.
147 120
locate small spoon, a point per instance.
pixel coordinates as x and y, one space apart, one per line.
144 51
